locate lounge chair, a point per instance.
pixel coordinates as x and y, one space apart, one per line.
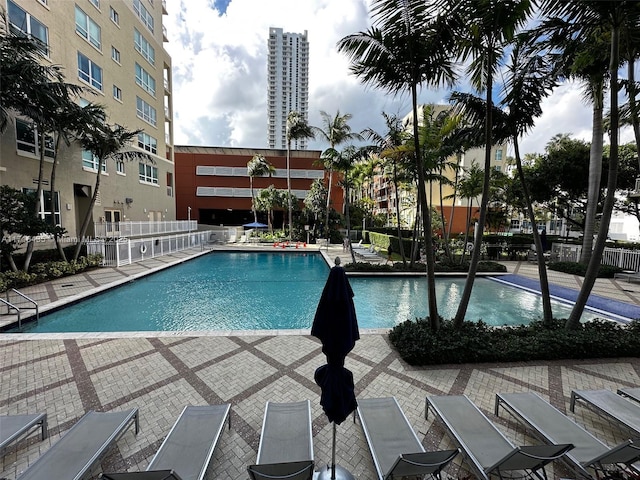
624 411
632 393
552 426
394 446
14 427
186 452
630 277
487 450
286 443
75 455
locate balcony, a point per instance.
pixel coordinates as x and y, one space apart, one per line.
165 38
164 7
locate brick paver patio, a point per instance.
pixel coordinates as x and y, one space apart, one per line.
65 377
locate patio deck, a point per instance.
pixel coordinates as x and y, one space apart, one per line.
67 375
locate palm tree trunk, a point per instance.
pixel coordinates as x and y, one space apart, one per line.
253 201
348 218
30 243
52 182
289 188
434 318
326 220
453 202
547 314
475 255
395 185
591 274
595 171
89 214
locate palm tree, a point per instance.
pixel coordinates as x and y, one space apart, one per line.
615 16
489 27
408 45
47 103
105 142
258 166
470 188
390 144
267 200
335 131
297 129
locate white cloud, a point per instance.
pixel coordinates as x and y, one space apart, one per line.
220 63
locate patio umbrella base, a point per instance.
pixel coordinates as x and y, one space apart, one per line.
341 474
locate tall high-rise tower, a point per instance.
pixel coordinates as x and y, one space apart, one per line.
288 74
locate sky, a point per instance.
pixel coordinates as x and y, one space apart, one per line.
219 62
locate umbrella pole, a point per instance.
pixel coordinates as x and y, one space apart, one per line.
333 454
336 472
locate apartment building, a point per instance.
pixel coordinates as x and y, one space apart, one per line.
114 50
213 186
385 199
288 84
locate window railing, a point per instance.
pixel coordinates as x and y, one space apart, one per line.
139 229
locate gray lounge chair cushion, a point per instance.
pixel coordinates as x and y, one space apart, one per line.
555 427
394 445
487 448
82 447
286 433
632 393
622 410
12 427
190 444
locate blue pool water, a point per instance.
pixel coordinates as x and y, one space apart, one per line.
256 291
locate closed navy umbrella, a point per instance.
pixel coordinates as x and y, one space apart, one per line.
336 325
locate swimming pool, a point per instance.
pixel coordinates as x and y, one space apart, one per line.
274 291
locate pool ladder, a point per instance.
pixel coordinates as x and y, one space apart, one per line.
18 309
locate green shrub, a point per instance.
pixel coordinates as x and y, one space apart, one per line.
484 266
477 342
574 268
42 272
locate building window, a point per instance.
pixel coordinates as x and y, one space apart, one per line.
148 173
27 139
148 143
45 204
144 47
169 184
96 3
498 155
145 80
90 161
89 72
120 167
145 111
88 29
143 14
117 93
115 18
21 22
115 54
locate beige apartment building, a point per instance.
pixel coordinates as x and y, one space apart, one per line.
114 49
384 194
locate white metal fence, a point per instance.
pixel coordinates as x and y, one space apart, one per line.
125 251
139 229
617 257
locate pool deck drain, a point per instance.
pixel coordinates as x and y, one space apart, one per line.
161 374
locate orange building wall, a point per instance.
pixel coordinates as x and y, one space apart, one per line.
187 158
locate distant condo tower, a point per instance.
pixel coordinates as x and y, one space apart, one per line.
288 84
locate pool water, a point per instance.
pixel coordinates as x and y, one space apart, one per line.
273 291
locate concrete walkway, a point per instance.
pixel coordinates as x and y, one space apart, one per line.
65 377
